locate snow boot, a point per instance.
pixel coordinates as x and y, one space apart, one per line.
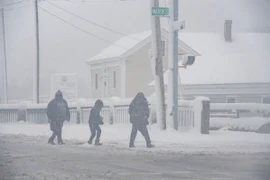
51 142
89 142
132 146
61 142
150 145
98 144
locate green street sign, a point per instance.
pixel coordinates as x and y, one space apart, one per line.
160 11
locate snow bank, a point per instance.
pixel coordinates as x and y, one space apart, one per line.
118 136
240 106
9 106
244 124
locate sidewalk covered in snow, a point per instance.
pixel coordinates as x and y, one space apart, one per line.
117 136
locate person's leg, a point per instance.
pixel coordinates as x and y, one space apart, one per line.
60 140
93 133
51 139
133 135
97 128
144 131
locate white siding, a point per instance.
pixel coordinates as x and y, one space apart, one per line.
138 72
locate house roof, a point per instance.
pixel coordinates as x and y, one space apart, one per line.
129 44
125 43
245 60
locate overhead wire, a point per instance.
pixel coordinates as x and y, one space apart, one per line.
18 7
81 28
19 2
94 1
91 22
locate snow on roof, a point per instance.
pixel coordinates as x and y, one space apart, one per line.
126 43
245 60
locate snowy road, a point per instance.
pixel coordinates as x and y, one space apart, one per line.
30 158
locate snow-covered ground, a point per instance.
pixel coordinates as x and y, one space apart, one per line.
247 124
170 141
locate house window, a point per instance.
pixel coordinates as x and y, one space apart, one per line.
96 81
114 79
231 100
266 100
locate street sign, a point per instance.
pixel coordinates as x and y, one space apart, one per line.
160 11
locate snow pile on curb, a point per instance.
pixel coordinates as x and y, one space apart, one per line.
241 124
118 136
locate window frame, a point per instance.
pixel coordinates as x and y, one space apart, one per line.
231 97
114 79
96 81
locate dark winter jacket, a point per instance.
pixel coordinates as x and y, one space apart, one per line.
139 110
57 109
95 117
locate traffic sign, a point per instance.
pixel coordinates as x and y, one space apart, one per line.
160 11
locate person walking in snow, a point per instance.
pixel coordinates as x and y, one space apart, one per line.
57 112
139 114
94 121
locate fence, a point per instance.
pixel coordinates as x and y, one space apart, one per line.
111 113
237 110
185 117
117 114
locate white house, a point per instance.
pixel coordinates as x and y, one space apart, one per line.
236 71
229 67
124 69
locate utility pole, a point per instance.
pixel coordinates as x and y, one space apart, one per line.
158 67
36 63
5 60
173 65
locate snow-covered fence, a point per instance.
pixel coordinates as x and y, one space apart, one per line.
185 117
73 115
37 116
121 114
235 110
8 115
190 113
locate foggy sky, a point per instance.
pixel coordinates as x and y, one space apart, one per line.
65 49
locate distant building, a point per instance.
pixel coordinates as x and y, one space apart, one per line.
126 70
227 72
230 67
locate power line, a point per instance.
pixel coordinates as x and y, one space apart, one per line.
10 9
94 1
19 2
92 21
80 28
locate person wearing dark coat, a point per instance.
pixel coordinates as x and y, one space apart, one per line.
57 112
94 121
139 114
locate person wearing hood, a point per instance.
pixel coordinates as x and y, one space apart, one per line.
57 112
94 121
139 114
